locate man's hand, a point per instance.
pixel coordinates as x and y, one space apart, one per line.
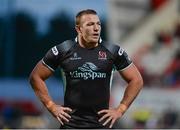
111 115
60 112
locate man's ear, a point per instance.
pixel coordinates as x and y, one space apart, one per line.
78 30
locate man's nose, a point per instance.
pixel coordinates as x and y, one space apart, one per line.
96 28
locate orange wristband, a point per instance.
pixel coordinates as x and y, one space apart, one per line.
49 104
122 108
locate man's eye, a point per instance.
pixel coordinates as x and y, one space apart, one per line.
89 24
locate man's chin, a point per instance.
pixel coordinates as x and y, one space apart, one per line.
94 40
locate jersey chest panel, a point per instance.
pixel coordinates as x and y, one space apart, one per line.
81 61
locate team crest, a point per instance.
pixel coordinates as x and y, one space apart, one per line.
102 55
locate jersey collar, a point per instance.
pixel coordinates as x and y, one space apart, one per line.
76 39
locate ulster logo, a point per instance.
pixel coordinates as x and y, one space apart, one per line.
102 55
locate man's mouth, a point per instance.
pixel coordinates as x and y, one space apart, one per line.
96 35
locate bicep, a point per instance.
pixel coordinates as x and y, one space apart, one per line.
41 71
130 73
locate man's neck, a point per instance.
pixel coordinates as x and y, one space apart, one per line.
85 44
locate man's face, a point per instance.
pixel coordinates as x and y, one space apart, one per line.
90 28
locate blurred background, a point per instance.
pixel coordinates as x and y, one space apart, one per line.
149 30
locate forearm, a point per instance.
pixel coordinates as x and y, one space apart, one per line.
130 94
41 92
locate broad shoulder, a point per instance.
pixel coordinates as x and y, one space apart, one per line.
65 46
111 47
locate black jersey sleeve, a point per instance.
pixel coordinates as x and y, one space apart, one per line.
51 59
121 59
56 54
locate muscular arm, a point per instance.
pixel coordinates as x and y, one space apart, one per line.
135 82
37 80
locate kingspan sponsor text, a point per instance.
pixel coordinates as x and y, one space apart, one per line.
87 75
